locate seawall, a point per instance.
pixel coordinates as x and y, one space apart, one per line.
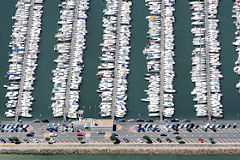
186 149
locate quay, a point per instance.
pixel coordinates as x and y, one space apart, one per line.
132 148
19 103
209 108
66 106
66 141
116 60
161 106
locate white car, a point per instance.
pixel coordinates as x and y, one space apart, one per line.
35 140
52 140
140 140
53 134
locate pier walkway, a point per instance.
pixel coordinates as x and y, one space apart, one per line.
66 107
116 61
161 107
209 108
19 103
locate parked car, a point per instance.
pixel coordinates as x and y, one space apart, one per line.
196 127
168 140
163 134
11 140
140 140
17 141
174 120
2 140
159 140
234 125
79 134
53 134
29 135
181 142
25 140
189 130
200 140
114 134
35 140
101 132
125 140
52 140
186 120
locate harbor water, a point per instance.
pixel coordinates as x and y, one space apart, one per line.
89 99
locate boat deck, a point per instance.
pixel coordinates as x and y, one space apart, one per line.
209 108
19 105
116 61
161 107
66 107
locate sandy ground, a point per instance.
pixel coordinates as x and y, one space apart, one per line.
132 129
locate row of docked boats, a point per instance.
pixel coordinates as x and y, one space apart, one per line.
24 46
236 16
159 54
205 72
113 69
70 47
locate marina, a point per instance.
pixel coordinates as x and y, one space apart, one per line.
159 53
23 59
67 75
113 70
205 72
236 11
215 98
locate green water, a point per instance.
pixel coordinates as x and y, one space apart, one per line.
115 157
89 99
7 10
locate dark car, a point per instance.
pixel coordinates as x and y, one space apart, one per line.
117 141
17 141
196 127
149 120
45 121
11 140
149 141
213 129
174 120
2 140
159 140
163 134
186 120
125 140
234 125
191 125
189 130
181 142
168 140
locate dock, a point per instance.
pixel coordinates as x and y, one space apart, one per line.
162 43
66 107
116 62
209 108
19 104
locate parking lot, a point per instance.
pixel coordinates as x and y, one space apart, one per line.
64 133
